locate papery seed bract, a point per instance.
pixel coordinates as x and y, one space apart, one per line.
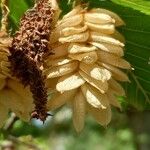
98 37
56 33
80 48
79 111
99 18
88 58
3 114
102 86
19 88
117 50
58 62
12 100
73 30
2 83
19 101
61 70
2 76
51 84
5 63
95 71
81 37
113 99
102 116
60 99
71 22
3 57
69 82
116 73
58 51
25 116
118 36
105 28
116 87
94 97
113 60
118 20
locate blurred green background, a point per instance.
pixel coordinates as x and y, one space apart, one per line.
129 129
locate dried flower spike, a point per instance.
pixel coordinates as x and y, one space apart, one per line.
29 48
88 64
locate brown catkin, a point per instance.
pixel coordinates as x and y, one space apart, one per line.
29 47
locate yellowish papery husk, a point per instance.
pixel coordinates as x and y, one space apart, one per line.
79 111
87 63
13 95
3 114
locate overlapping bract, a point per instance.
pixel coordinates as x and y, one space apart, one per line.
87 64
13 96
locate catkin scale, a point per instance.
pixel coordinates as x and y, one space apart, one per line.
28 50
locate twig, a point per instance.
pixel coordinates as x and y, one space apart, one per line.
7 145
140 87
5 13
9 125
76 3
10 122
16 140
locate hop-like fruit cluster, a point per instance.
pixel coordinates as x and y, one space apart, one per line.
87 63
13 96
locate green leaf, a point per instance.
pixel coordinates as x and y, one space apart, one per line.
17 9
137 34
141 5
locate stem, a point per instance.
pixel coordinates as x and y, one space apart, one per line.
10 122
29 145
5 13
139 123
76 3
140 87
